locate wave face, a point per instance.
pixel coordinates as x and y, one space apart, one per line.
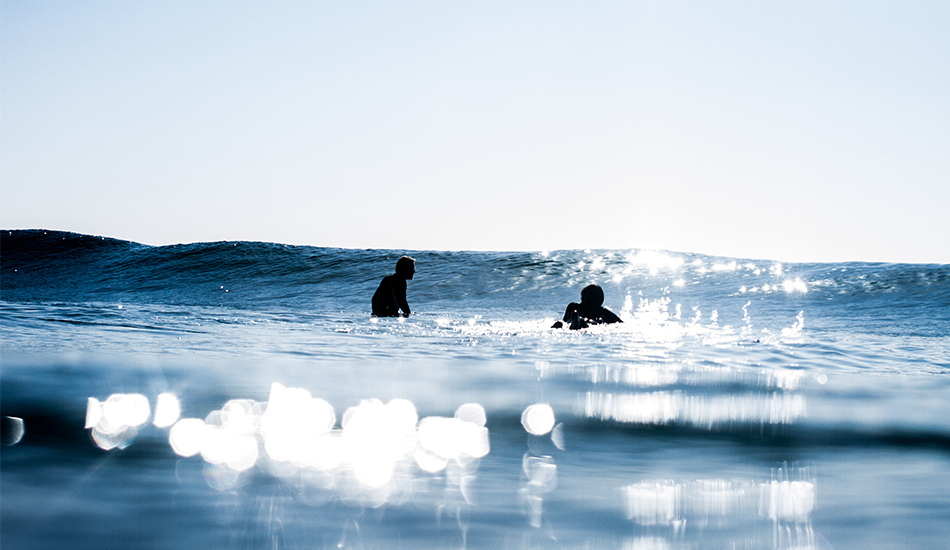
239 394
52 266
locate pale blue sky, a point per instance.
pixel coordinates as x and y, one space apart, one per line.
795 131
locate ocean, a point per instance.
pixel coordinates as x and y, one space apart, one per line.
240 395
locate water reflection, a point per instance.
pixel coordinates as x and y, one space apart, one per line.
373 457
115 421
538 419
705 411
537 465
382 455
167 410
540 479
787 501
653 328
13 430
644 375
646 543
627 374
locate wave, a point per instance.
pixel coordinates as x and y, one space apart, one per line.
41 265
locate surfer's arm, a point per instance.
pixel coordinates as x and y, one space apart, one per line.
571 309
609 316
400 291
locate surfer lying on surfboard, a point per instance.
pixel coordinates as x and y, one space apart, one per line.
589 312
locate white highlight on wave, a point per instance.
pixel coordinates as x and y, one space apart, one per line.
617 267
678 407
115 422
645 543
654 261
651 328
796 285
665 502
539 469
630 375
374 447
167 410
538 419
646 375
541 478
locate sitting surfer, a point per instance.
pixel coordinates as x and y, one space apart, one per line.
589 312
390 297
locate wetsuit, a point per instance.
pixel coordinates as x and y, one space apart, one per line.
583 315
390 297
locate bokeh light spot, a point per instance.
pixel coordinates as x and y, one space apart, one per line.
167 410
538 419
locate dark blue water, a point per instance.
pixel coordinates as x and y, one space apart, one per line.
742 403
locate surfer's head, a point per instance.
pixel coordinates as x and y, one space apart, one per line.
406 267
593 295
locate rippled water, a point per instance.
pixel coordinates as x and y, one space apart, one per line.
238 395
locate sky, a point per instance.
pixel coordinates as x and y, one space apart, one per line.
791 131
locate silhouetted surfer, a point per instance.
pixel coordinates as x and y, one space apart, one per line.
390 297
589 312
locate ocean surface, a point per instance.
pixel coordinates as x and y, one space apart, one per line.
240 395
